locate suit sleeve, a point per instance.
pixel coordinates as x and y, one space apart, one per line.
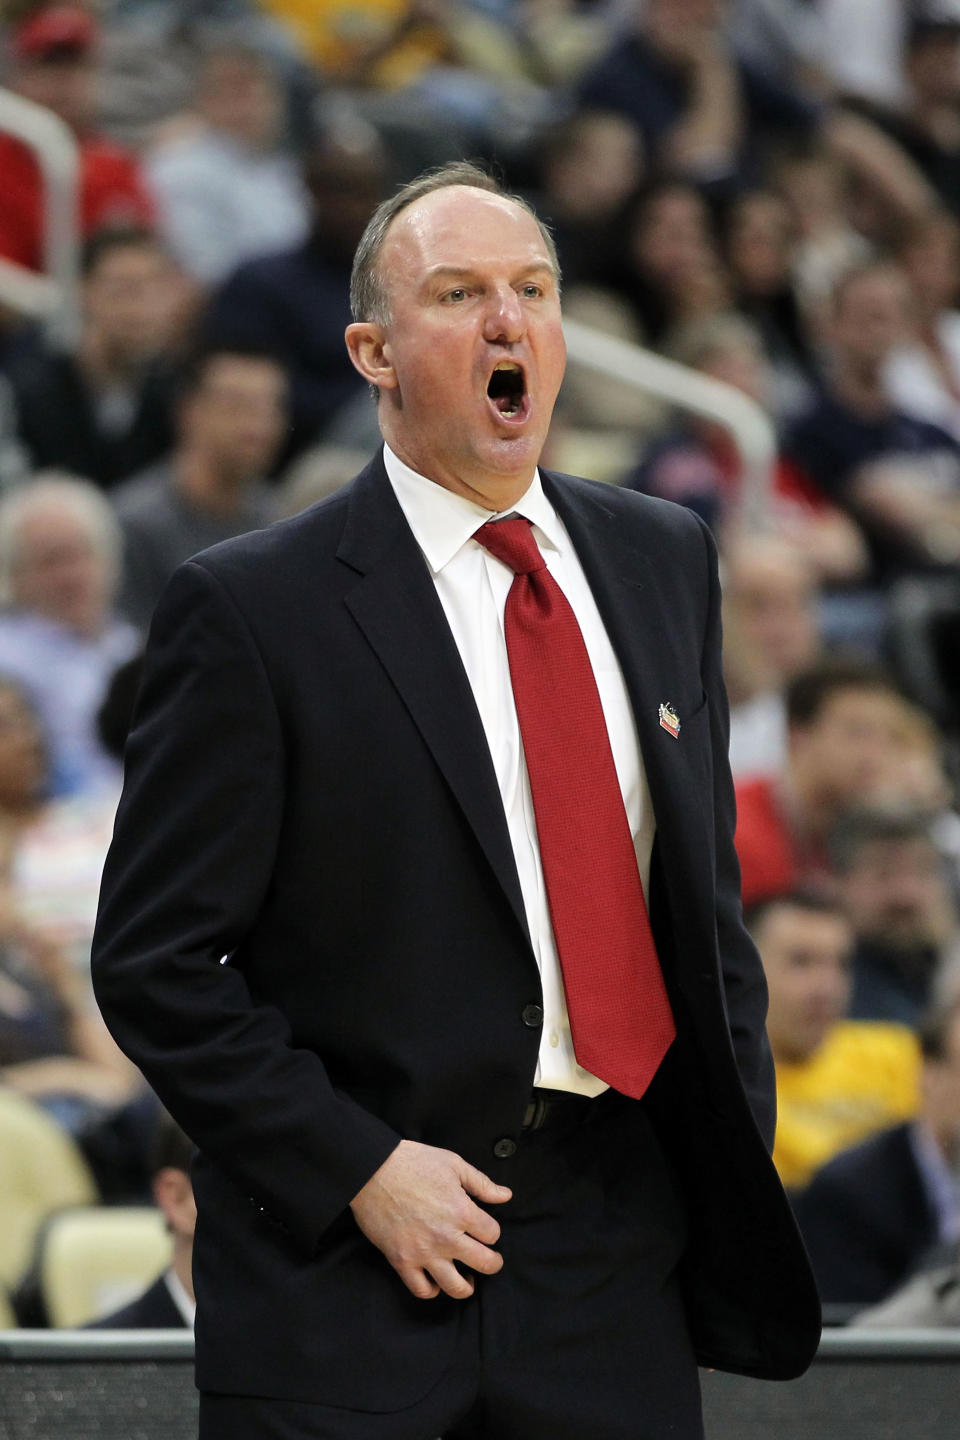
745 986
189 867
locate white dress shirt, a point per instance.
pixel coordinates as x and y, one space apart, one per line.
473 587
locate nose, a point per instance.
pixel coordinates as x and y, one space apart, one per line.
504 320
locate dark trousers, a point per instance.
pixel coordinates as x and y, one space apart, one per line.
582 1335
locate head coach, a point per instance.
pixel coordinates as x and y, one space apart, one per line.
422 914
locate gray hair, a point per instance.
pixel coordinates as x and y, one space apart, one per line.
79 498
368 296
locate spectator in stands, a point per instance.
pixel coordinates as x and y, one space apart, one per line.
228 189
51 60
897 474
697 463
927 1301
167 1304
699 109
893 883
296 303
838 1080
923 373
103 411
874 1214
53 1044
826 244
926 121
770 635
758 246
60 552
842 726
230 423
591 165
671 269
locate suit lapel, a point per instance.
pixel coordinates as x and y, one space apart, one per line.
657 645
399 612
627 586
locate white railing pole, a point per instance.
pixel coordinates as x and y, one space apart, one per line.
748 424
57 154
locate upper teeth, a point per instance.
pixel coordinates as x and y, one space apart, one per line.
506 365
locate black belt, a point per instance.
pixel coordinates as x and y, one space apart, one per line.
547 1106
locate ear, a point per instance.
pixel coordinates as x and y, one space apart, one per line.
369 350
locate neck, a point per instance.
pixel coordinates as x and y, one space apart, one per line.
859 386
101 366
492 491
210 487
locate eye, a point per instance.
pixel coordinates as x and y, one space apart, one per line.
530 291
456 295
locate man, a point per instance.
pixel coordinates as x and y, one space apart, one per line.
877 1213
104 410
893 882
896 473
52 61
327 792
60 636
843 722
296 303
837 1080
227 185
229 422
770 616
167 1304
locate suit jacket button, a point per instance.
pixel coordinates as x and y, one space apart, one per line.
532 1016
505 1148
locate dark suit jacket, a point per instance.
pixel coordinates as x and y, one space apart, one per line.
155 1309
310 795
867 1219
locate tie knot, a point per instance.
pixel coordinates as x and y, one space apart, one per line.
512 542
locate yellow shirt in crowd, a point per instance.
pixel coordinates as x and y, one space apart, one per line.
864 1077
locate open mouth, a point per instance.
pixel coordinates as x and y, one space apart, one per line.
507 390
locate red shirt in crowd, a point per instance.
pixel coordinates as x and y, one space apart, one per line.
112 191
769 863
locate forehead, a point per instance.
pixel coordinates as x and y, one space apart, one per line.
460 227
787 927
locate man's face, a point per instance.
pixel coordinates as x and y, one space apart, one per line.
471 359
771 596
895 892
806 959
59 571
127 301
235 418
65 84
871 316
844 753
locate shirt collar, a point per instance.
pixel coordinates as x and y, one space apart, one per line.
442 521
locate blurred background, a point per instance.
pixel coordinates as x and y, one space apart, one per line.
757 209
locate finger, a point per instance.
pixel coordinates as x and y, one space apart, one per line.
478 1257
476 1183
450 1280
480 1224
419 1284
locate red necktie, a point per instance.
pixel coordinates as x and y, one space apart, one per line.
620 1016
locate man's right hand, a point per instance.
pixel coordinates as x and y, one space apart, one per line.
417 1209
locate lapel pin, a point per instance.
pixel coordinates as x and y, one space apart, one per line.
669 719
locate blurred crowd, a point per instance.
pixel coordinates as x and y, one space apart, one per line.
765 191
